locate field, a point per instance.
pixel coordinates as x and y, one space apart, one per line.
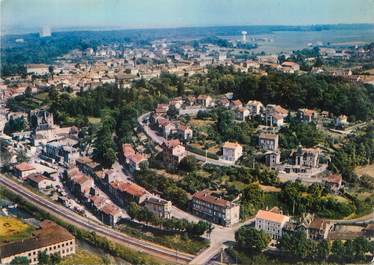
83 257
365 170
13 229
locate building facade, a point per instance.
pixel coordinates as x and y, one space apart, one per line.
271 223
51 238
214 209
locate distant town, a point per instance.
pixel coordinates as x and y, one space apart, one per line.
186 151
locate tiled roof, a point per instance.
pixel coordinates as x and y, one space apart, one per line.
231 145
127 150
334 178
24 167
271 216
129 187
137 158
111 209
172 143
206 196
271 136
37 178
49 234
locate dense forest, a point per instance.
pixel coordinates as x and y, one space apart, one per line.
295 91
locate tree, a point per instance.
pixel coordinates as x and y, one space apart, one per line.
14 125
337 250
28 92
172 112
252 199
188 163
55 259
43 258
51 70
21 156
252 240
198 229
20 261
322 250
304 248
180 88
104 151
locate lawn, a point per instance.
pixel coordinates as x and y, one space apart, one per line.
13 229
94 120
201 123
365 170
82 257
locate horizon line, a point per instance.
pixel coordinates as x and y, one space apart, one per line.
121 28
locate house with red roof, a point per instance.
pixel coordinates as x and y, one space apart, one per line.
215 209
132 158
173 153
334 181
271 223
125 192
24 169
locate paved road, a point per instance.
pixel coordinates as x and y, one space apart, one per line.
219 236
102 230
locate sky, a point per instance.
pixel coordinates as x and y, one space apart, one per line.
180 13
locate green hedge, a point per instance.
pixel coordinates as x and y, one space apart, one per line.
201 152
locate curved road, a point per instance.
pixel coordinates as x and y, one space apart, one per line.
159 140
105 231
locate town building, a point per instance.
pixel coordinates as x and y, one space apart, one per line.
234 104
204 100
78 183
307 115
125 192
306 157
275 115
132 158
184 132
24 169
334 181
87 165
51 238
268 141
39 181
341 121
232 151
214 209
291 67
319 229
173 153
241 114
272 159
255 107
271 223
104 209
41 119
61 152
159 207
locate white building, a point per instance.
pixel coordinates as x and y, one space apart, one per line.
271 223
232 151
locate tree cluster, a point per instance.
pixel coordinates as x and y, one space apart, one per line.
173 224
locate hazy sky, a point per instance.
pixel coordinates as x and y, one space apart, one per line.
177 13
